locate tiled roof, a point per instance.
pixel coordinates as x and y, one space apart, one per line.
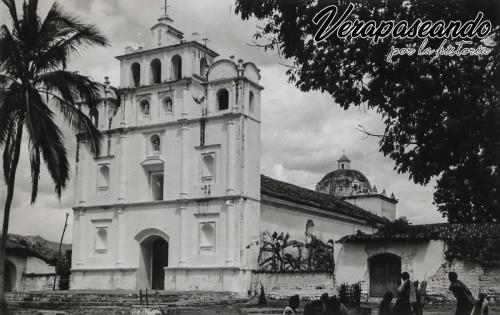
438 231
281 190
35 246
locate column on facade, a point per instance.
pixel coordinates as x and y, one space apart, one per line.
145 71
185 102
120 242
83 171
185 160
231 156
165 67
183 235
122 187
125 74
81 236
231 233
123 112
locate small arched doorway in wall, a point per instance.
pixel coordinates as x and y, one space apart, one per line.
153 259
10 276
385 272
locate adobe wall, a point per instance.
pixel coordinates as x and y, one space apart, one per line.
423 260
283 285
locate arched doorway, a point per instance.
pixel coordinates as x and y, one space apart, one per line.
10 276
385 271
153 260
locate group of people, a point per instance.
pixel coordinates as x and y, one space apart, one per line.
409 301
326 305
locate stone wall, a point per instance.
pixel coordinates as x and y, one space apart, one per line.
38 282
476 277
283 285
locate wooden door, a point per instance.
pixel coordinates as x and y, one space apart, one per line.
385 271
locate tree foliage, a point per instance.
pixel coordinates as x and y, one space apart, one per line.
441 114
34 86
278 253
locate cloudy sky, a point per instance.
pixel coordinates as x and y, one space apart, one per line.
303 134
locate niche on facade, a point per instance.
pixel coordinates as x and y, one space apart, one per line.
103 179
222 99
153 161
101 240
135 70
155 143
168 106
208 168
310 230
207 237
145 108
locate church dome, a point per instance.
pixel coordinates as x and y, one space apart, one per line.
344 181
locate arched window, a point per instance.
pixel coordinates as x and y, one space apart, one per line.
155 144
176 67
144 105
310 230
251 100
101 240
94 117
203 66
207 237
168 105
208 168
136 74
155 71
223 99
103 179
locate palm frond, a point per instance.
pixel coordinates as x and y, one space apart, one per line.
80 123
63 35
11 5
49 140
35 170
70 85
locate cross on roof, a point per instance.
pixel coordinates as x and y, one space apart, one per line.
165 7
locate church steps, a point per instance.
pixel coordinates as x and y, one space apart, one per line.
125 298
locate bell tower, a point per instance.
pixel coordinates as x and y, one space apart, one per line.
179 187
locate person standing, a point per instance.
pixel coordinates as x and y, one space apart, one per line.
481 307
402 305
465 300
385 306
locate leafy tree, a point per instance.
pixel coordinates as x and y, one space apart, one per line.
34 83
441 114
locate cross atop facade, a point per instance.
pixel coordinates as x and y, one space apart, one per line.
165 7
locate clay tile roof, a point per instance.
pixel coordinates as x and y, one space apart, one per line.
278 189
437 231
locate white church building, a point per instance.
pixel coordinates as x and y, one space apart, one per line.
176 195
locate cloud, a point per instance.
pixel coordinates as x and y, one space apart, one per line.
303 134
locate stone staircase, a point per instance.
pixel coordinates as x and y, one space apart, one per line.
112 302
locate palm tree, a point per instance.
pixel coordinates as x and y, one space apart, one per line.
34 84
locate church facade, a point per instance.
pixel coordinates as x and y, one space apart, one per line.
176 195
